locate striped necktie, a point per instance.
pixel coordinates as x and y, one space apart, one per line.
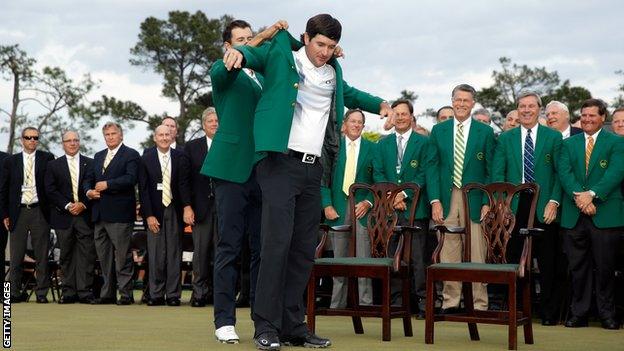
349 175
166 181
458 158
28 182
400 151
588 151
529 161
73 174
107 160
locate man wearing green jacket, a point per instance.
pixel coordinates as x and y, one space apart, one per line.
528 155
296 121
591 171
463 152
403 157
231 164
354 165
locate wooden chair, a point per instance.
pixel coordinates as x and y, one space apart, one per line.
383 264
497 227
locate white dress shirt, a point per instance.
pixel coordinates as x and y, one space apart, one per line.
314 99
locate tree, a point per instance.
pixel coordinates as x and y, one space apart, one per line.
408 95
59 101
513 79
573 97
619 100
181 49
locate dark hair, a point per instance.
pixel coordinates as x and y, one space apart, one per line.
29 128
464 87
404 101
352 111
171 118
602 106
323 24
620 109
443 108
227 31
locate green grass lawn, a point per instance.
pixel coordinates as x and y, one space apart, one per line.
139 327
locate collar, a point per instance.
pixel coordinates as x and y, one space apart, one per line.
595 135
302 57
356 141
533 129
465 124
71 158
405 135
163 154
115 150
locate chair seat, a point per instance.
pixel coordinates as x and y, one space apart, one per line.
475 266
354 261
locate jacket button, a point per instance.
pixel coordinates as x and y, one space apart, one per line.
296 85
293 104
292 67
399 181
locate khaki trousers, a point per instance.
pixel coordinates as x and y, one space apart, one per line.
452 252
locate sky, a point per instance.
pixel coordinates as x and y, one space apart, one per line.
424 46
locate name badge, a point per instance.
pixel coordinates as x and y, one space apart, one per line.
159 186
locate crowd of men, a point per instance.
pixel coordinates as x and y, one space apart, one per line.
283 157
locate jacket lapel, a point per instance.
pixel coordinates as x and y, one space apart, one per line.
517 147
83 169
539 147
364 148
474 134
599 146
412 142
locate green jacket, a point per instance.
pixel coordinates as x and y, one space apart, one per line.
606 172
232 153
333 195
508 163
477 162
274 112
416 159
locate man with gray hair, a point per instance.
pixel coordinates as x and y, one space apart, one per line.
109 184
203 211
483 115
558 118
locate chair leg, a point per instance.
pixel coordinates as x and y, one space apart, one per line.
469 305
311 303
429 309
528 327
385 307
407 317
354 301
513 316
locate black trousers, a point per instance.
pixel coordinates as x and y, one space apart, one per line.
591 256
239 212
291 203
77 258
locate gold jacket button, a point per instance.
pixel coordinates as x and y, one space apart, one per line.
296 85
293 104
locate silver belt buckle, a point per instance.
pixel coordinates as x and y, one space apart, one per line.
308 158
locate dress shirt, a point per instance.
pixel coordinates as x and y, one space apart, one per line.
35 198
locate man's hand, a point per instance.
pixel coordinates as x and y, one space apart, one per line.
582 199
232 59
385 110
7 223
93 194
437 212
153 225
484 210
361 208
76 208
101 185
330 213
550 212
589 210
338 52
188 215
268 33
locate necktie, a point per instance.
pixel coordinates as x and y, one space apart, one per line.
349 174
588 151
166 181
458 158
73 173
29 183
400 150
529 161
107 160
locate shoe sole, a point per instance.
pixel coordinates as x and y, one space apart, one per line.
269 348
231 341
307 345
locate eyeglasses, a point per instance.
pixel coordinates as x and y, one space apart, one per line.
71 141
462 101
35 138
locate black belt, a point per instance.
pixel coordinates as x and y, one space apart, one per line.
29 206
303 157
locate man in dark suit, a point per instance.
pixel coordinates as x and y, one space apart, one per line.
172 124
109 183
70 217
25 210
300 111
591 172
205 220
527 155
4 233
165 200
558 118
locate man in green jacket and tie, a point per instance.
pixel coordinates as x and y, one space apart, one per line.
296 121
463 152
528 155
591 172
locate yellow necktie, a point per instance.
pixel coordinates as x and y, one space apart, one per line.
349 174
28 182
107 160
460 149
166 180
588 152
73 173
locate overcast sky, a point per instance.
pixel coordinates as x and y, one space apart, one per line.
424 46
